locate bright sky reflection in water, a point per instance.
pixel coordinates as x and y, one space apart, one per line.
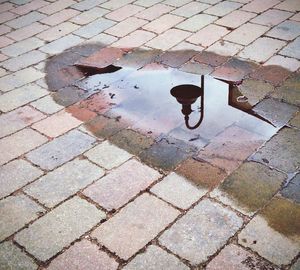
143 98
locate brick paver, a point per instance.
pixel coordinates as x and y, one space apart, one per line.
52 149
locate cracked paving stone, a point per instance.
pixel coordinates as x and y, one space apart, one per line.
233 257
107 155
59 228
275 233
155 258
249 188
282 151
61 149
83 255
121 184
16 174
201 232
16 212
178 191
63 182
292 190
201 173
137 223
278 113
12 258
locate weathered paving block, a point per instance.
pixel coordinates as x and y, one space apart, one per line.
282 151
292 190
236 258
107 155
16 212
275 232
201 232
19 143
155 258
18 119
11 257
61 149
60 227
63 182
249 187
16 174
176 190
25 20
138 223
121 184
83 255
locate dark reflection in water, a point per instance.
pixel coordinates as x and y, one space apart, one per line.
175 103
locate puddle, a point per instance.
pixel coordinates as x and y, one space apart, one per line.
165 101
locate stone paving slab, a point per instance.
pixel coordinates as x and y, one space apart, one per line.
138 223
201 232
59 228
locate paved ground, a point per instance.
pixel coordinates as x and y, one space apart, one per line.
80 189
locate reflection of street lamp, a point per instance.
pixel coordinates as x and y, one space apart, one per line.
186 95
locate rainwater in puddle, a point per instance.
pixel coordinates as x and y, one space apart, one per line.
166 101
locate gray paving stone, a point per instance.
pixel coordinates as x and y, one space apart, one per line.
23 46
288 30
19 144
292 49
155 258
63 182
16 174
223 8
178 191
292 190
12 258
16 212
201 232
47 105
197 22
87 4
94 28
61 44
108 155
61 149
138 223
60 227
25 20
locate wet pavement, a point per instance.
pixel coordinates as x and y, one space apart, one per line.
164 150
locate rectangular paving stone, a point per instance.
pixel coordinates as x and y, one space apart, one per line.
258 6
25 20
137 223
59 17
163 23
290 64
16 212
225 48
87 4
27 31
89 16
235 18
11 257
155 258
115 4
19 143
134 39
262 49
61 149
94 28
288 30
289 5
59 228
83 255
123 12
57 124
47 105
63 182
4 41
178 191
272 17
23 95
190 9
56 6
61 44
196 22
168 39
15 175
121 184
107 155
31 6
154 11
201 232
18 119
274 233
246 33
282 151
7 16
23 46
249 187
23 61
223 8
